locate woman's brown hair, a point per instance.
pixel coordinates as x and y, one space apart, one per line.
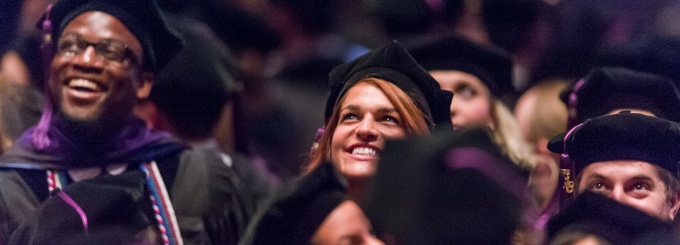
413 119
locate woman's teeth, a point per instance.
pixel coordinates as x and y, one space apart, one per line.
364 151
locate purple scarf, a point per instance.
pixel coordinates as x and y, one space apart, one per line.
134 142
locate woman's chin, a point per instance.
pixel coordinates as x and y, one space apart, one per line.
358 169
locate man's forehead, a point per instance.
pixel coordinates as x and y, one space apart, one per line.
617 167
97 25
144 18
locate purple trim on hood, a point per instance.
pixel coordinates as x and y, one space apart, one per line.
127 145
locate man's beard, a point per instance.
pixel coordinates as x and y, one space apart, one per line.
97 132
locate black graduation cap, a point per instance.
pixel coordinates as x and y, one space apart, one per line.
195 85
239 29
392 63
609 220
402 18
606 89
294 214
623 136
142 17
492 65
450 188
116 207
654 54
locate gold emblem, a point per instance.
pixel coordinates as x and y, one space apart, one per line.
568 183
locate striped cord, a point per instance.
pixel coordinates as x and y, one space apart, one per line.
55 180
162 207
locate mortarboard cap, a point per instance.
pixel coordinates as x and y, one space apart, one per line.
104 210
239 29
195 85
294 214
492 65
607 219
402 18
654 54
394 64
607 89
142 17
450 188
623 136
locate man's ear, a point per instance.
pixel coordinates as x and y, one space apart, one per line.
145 84
675 205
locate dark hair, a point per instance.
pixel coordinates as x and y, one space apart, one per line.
671 182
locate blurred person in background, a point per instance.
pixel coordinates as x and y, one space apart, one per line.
542 116
451 188
478 75
193 97
312 210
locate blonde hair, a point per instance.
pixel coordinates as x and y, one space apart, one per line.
508 135
548 115
413 119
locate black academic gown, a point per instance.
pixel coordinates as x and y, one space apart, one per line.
202 189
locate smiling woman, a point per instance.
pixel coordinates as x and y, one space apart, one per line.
380 96
366 117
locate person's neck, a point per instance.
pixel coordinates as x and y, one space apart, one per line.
356 187
94 136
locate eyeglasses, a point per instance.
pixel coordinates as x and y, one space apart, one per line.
112 50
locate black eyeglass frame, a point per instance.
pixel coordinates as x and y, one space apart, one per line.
101 48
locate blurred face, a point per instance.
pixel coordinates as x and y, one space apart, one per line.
346 225
367 119
471 104
95 74
634 183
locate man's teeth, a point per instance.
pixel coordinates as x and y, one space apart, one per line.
364 151
82 83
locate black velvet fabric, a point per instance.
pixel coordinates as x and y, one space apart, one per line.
426 193
116 208
492 65
143 18
393 63
623 136
607 88
294 214
608 220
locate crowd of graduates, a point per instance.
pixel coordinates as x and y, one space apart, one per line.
339 122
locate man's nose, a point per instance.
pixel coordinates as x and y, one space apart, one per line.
89 57
618 194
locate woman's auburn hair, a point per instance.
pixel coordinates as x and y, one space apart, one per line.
412 119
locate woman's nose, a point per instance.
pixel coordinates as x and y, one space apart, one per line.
366 129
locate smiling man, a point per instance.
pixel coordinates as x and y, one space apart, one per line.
96 76
629 157
89 157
